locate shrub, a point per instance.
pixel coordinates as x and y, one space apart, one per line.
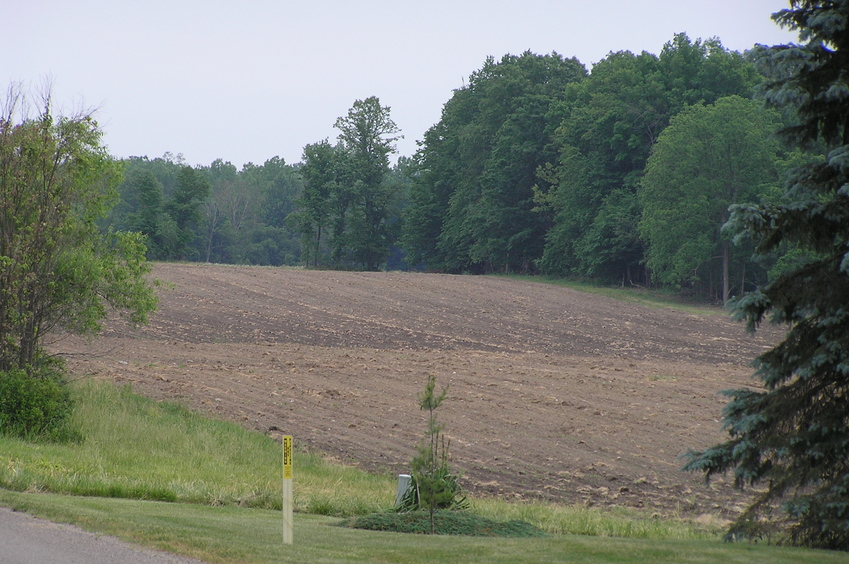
437 487
444 523
36 404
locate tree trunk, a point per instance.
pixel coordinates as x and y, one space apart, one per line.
212 222
317 246
726 291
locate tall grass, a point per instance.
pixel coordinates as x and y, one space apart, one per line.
141 449
581 520
137 448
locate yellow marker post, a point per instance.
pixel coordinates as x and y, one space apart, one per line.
287 490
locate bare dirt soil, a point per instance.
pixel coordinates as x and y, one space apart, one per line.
553 393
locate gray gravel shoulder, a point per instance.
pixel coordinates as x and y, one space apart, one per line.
25 539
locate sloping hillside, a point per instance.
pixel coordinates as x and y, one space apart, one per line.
553 393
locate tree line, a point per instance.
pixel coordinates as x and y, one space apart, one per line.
619 174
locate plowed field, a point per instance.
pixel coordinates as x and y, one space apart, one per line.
553 393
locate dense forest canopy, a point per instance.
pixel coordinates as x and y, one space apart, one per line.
537 165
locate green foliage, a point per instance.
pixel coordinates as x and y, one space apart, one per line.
611 246
439 488
433 486
244 219
149 217
320 171
349 191
36 405
444 523
56 269
367 136
533 166
471 206
606 127
228 215
792 435
709 158
183 208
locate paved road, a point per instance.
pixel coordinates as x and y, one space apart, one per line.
25 539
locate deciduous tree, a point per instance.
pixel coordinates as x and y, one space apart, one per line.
184 208
709 158
367 134
471 206
321 172
606 128
56 269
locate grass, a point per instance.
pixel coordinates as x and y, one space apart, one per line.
229 480
239 534
622 522
653 298
140 449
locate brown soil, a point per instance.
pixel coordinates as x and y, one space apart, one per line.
554 393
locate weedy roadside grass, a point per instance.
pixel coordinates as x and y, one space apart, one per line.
141 449
227 482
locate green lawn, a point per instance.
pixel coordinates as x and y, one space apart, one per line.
240 534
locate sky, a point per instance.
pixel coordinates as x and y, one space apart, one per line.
248 80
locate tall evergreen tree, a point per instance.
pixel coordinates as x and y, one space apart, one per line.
792 436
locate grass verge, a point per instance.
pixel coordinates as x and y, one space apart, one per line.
248 535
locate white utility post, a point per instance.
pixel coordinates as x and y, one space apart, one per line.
403 484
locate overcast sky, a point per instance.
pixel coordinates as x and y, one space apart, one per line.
247 80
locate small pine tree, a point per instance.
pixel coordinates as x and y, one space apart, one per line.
433 485
793 435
